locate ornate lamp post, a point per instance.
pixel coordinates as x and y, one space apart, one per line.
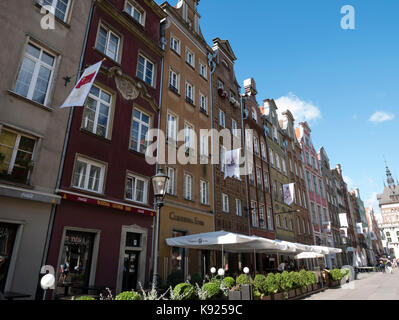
159 183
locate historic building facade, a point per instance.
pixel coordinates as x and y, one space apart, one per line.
300 207
333 227
375 233
186 109
34 62
277 151
102 230
389 205
258 178
316 189
230 194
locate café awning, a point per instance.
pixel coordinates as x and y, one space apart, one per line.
308 255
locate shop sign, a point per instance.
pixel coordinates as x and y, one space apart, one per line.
195 220
106 204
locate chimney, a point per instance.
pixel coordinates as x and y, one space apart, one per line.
339 169
250 87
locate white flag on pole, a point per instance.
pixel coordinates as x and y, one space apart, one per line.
232 162
342 219
289 193
79 93
359 228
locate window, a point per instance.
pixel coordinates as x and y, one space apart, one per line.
309 228
251 174
278 221
222 119
304 199
108 43
256 146
266 181
307 158
321 188
171 128
175 45
145 70
388 234
238 208
389 239
171 181
296 168
262 222
284 166
313 212
263 150
275 195
222 159
189 93
190 58
298 225
97 112
314 163
285 225
136 189
315 184
88 175
204 145
17 150
203 103
254 214
319 214
308 180
36 74
225 203
188 136
204 190
278 162
220 85
271 157
303 226
174 81
254 115
188 187
203 70
325 215
269 218
291 225
234 128
140 128
59 8
259 177
136 12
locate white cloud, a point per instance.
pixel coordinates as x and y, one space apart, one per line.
351 184
381 116
301 110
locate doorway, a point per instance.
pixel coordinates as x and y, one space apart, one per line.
130 268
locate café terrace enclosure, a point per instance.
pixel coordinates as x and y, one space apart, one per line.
233 242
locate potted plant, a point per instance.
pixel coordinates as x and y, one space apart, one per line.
235 293
278 295
287 285
260 288
270 285
296 282
303 281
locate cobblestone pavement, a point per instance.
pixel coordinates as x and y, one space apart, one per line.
369 286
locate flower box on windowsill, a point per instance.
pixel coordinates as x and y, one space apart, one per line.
203 111
190 101
174 89
20 179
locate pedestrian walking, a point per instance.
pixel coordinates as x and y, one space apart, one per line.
389 266
382 266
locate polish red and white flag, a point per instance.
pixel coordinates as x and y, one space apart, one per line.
79 93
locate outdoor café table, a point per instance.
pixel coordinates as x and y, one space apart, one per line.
66 286
98 289
15 295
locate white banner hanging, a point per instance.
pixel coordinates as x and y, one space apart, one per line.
232 162
289 193
343 220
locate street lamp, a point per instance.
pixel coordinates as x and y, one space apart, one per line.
159 183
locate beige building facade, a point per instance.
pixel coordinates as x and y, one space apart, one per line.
42 49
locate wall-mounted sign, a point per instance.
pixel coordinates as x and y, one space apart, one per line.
106 204
343 220
195 220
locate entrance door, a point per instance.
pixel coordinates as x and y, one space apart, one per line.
130 267
8 233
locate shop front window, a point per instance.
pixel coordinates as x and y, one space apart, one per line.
7 240
178 254
77 255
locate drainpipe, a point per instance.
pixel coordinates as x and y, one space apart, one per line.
242 97
62 161
212 68
154 220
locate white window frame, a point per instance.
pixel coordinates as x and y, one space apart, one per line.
256 146
137 8
259 178
204 192
269 218
266 181
109 32
174 76
225 203
222 153
222 119
189 133
146 62
263 150
203 100
187 91
89 163
172 134
172 174
262 225
175 44
271 157
203 70
188 187
145 191
53 4
99 101
188 54
38 64
254 214
234 128
141 125
298 225
238 207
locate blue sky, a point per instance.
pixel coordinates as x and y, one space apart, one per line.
298 50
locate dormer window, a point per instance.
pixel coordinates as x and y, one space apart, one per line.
136 12
254 116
